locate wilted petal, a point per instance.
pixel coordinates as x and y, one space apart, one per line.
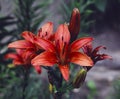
29 36
46 30
80 59
97 49
102 57
105 56
21 44
45 44
76 45
65 71
45 59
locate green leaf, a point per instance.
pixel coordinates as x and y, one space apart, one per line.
91 85
101 4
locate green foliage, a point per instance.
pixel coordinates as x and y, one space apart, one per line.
100 5
39 89
28 16
30 13
7 77
5 23
92 89
35 89
7 80
116 86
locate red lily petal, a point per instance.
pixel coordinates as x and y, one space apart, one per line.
20 51
45 59
52 37
65 71
46 30
87 49
28 54
29 36
77 44
12 56
18 62
45 44
62 34
38 69
21 44
80 59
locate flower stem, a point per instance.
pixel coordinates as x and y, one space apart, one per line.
57 95
55 78
25 82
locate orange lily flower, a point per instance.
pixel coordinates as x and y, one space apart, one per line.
27 47
93 53
61 52
23 57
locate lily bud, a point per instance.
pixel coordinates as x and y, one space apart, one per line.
79 78
11 65
74 25
50 87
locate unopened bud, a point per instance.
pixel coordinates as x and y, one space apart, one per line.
11 65
79 78
50 88
74 25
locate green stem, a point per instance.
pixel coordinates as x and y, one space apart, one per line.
55 78
57 95
25 82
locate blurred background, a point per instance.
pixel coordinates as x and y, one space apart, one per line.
99 19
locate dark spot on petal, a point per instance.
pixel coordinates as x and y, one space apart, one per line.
62 38
46 33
